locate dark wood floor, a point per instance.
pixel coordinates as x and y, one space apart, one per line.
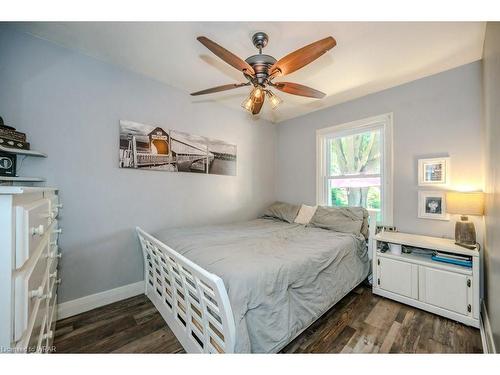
360 323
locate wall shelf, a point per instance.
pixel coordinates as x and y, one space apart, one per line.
21 179
19 151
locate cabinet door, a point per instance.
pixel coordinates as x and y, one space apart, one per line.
398 277
448 290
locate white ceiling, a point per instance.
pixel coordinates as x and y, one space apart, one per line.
369 56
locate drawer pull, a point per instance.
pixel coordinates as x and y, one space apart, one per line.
36 293
39 230
55 254
48 335
47 296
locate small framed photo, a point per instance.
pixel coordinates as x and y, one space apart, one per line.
432 205
433 171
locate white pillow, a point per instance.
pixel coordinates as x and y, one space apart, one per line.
305 214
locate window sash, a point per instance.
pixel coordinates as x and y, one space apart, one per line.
382 123
344 176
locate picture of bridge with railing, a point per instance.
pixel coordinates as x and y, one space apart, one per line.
174 151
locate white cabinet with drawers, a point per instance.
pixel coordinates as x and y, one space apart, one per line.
444 289
29 256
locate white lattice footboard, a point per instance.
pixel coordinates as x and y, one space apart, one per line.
193 302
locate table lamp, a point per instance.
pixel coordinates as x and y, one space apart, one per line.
465 203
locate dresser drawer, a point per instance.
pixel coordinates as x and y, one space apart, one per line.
37 324
32 222
53 234
42 336
47 332
53 263
51 327
52 294
54 205
30 288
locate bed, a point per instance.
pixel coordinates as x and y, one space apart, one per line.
249 287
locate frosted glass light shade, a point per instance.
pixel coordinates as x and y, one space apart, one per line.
469 203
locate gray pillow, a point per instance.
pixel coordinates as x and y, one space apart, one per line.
282 211
340 219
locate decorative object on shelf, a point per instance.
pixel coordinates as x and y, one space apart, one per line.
432 205
434 171
7 164
5 128
6 142
153 148
9 137
395 248
465 203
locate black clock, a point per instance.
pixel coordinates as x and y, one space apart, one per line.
7 164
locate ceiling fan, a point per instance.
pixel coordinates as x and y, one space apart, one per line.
260 70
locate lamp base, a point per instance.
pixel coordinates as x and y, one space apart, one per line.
465 233
470 247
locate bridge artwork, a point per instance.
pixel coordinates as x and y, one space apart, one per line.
149 147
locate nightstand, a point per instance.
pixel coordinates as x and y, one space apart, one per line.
415 279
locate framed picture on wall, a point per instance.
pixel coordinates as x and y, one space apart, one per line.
432 205
434 171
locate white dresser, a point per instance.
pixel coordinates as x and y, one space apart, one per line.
441 288
29 256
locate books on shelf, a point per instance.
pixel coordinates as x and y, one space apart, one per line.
452 256
459 260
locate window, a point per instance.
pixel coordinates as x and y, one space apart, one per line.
354 165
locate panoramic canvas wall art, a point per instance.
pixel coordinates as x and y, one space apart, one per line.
152 147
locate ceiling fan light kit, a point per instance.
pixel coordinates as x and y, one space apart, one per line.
261 69
274 99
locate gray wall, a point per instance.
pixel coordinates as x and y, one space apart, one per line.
491 95
434 116
70 106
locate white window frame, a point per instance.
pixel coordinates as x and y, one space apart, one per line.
384 123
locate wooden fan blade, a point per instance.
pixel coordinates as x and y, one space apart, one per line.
227 56
301 57
257 106
220 88
296 89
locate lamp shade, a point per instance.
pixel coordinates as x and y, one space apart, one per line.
465 203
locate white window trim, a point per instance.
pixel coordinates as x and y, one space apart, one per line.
385 123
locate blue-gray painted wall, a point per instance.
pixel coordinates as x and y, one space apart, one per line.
70 106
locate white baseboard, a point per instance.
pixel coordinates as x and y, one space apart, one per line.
79 305
486 334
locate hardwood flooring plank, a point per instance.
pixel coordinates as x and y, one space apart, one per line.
359 323
390 337
159 341
78 343
342 339
383 314
125 336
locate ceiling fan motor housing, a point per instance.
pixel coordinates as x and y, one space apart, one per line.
260 40
261 64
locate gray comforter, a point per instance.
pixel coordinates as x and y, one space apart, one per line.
280 277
